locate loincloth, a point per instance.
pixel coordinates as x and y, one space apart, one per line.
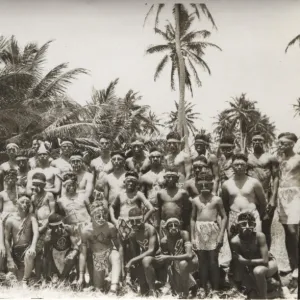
206 235
233 217
18 254
101 260
124 228
59 259
289 205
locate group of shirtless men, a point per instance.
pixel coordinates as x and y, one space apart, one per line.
152 217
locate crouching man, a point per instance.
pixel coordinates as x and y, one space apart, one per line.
21 235
251 251
102 237
178 257
64 250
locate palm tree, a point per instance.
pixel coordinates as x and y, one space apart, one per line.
191 49
297 107
191 117
180 13
223 125
27 94
292 42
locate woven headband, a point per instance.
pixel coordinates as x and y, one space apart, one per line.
55 223
131 178
172 220
66 143
226 145
200 141
37 181
12 145
76 157
173 140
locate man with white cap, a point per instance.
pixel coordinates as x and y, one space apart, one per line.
289 196
53 182
12 151
62 163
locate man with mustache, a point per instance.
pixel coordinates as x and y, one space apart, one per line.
102 237
21 235
53 182
251 251
289 196
84 178
264 167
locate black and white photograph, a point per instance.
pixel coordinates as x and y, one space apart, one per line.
149 149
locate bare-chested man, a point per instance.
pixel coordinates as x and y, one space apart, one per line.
21 235
173 201
153 181
114 182
102 237
23 168
53 182
242 193
202 146
62 163
177 158
124 201
102 165
289 196
84 178
74 204
43 205
177 256
139 162
226 149
264 167
12 151
250 249
36 144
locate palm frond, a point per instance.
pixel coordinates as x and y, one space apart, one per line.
292 42
157 48
160 66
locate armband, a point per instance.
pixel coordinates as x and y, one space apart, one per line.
188 243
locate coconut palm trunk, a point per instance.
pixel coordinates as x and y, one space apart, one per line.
182 126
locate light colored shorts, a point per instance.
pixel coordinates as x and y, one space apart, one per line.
289 205
206 235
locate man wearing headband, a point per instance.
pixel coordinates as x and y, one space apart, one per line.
12 151
177 158
53 183
178 258
289 196
62 163
250 249
264 167
102 165
102 237
21 235
226 151
152 182
207 236
139 162
173 201
63 249
43 205
23 168
84 178
113 183
125 200
37 142
202 146
143 261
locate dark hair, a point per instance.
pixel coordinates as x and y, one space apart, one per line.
172 169
40 176
10 172
22 153
173 135
132 173
154 149
227 139
289 135
77 152
246 216
97 204
69 175
54 218
38 138
239 156
202 136
201 158
258 133
205 177
113 153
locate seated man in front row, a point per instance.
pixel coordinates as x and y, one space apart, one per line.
250 249
102 237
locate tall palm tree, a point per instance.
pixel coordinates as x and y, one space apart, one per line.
292 42
297 107
223 125
180 13
192 50
191 117
27 95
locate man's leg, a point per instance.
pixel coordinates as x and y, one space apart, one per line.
99 277
184 276
29 265
214 269
115 262
291 242
203 268
70 262
149 271
2 264
38 266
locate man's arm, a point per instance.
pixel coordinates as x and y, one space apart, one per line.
35 230
215 170
275 176
223 215
115 204
7 239
151 248
225 198
188 255
1 203
105 187
187 167
193 221
147 204
260 198
82 256
89 185
1 179
29 183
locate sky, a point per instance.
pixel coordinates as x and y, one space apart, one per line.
108 39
